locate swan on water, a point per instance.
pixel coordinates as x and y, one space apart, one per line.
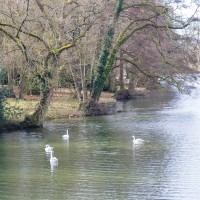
137 141
53 160
48 148
66 136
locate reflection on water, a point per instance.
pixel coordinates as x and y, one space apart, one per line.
100 161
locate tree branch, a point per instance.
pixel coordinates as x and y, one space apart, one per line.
23 21
152 7
26 33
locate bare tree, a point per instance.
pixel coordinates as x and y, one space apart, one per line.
40 36
86 37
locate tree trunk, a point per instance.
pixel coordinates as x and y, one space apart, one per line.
46 91
83 82
21 87
10 78
131 85
121 78
121 73
77 88
106 59
92 108
112 83
122 94
38 117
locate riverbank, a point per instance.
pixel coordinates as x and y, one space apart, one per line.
62 106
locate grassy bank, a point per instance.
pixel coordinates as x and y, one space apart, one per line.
63 105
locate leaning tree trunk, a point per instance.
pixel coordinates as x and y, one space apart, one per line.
106 62
46 91
38 117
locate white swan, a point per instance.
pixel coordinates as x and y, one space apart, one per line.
137 141
48 148
53 160
66 136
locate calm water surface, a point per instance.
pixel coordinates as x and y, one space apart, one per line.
100 162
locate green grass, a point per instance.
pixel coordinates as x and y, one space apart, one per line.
59 108
64 106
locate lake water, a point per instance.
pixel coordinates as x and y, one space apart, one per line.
100 161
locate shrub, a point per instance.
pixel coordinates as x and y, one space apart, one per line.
32 87
6 111
3 76
6 91
2 105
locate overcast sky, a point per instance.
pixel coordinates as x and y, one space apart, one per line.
189 10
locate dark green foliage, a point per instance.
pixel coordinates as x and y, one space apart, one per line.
65 79
8 112
32 86
13 112
105 57
6 91
119 8
104 54
1 106
3 76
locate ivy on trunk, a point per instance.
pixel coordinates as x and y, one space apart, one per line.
106 61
